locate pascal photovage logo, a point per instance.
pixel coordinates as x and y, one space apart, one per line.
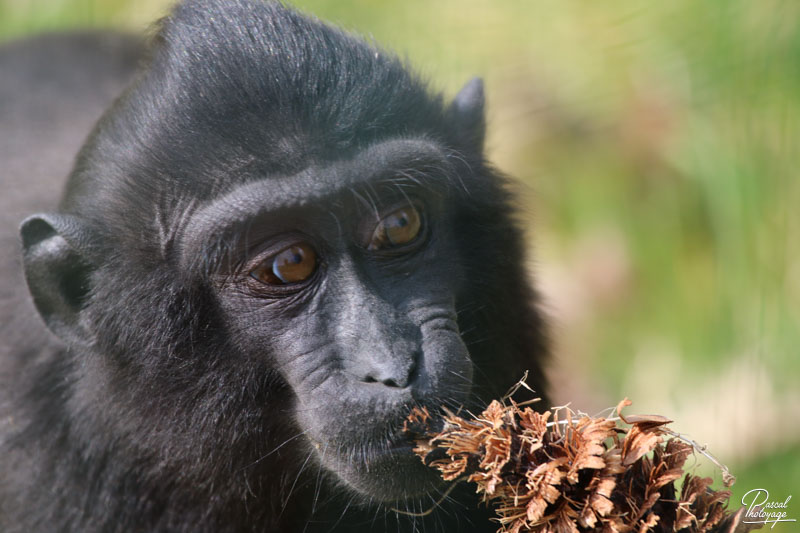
762 510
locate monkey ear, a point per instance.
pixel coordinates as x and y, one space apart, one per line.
57 271
467 114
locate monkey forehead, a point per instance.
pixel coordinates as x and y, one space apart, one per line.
418 161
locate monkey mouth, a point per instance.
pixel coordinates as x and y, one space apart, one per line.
370 446
400 445
380 467
392 473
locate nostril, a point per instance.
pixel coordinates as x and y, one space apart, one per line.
390 383
396 374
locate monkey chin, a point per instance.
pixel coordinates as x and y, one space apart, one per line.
389 473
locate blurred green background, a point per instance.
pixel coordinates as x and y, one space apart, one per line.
656 148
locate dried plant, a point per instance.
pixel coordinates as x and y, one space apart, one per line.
561 472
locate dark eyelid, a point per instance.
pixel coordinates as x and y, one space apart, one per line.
395 204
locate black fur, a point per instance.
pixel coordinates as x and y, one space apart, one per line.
176 395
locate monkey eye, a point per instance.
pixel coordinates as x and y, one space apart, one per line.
399 227
293 264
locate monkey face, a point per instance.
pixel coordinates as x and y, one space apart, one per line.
353 300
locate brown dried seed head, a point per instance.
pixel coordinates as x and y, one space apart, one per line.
557 472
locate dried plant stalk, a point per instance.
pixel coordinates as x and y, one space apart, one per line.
561 472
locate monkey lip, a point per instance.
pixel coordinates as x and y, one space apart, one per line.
384 468
401 442
398 451
378 460
397 447
395 473
388 456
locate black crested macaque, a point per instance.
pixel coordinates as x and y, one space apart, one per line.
271 247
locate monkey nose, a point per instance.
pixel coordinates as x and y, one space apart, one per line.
395 368
394 378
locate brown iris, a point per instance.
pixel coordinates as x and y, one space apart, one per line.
399 227
293 264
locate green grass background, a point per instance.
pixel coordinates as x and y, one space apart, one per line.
656 147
